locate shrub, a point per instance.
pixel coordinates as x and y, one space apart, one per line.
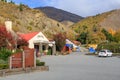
4 66
38 63
3 62
114 47
21 7
5 53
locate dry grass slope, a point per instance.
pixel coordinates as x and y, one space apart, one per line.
29 20
108 20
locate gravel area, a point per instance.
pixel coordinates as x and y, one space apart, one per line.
76 66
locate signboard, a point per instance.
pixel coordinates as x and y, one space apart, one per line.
24 59
16 60
29 57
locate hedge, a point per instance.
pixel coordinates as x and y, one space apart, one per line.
114 47
38 63
4 66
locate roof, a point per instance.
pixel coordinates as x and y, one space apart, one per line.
76 42
28 36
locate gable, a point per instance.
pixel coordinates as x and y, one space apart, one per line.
39 37
28 36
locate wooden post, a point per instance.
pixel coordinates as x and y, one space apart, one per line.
23 60
34 59
40 48
10 63
54 49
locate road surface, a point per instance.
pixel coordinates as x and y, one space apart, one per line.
74 67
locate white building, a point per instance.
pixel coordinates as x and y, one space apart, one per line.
38 41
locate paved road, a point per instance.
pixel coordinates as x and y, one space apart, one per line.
75 67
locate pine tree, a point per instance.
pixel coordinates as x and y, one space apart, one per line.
21 7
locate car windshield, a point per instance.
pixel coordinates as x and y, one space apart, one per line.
102 51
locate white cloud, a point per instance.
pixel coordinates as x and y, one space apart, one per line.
85 7
80 7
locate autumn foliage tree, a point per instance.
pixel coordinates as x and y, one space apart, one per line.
6 39
21 42
117 36
109 36
60 40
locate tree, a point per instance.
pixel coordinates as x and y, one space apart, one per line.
6 39
82 38
109 36
60 41
21 7
12 2
84 27
21 42
4 0
95 28
117 36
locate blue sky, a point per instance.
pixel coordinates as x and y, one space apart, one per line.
80 7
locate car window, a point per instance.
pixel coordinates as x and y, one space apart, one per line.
102 51
108 51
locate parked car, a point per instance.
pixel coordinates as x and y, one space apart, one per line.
105 53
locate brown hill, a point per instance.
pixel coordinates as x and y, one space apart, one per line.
108 20
59 14
26 20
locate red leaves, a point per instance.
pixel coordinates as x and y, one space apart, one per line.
60 40
6 39
22 42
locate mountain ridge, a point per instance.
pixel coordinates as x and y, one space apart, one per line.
59 14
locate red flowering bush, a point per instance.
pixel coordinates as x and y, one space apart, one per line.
6 39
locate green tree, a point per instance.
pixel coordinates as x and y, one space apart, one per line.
21 7
82 38
84 27
117 37
95 28
4 0
12 2
109 36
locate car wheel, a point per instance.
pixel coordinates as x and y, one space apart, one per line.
99 56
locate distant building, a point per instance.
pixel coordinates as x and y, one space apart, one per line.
38 41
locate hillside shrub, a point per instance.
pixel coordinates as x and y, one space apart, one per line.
38 63
114 47
21 7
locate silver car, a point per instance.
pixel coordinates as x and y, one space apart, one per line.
105 53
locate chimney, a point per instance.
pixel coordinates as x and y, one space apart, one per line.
8 25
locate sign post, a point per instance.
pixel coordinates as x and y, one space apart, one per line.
24 59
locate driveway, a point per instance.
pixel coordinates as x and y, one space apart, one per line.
76 66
